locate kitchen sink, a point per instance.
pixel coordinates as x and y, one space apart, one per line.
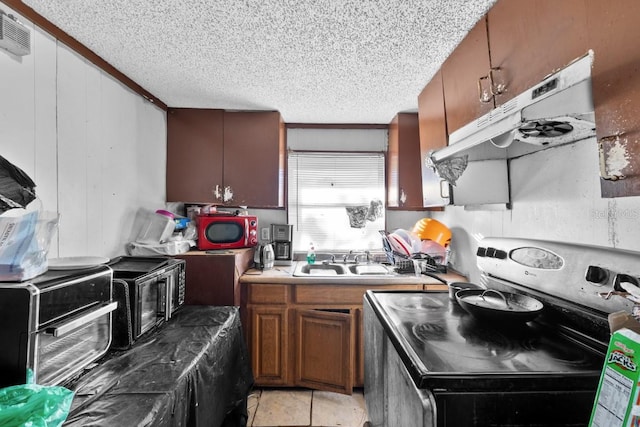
319 270
369 269
340 270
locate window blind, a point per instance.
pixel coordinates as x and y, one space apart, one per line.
321 186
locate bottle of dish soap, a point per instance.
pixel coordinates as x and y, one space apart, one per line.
311 254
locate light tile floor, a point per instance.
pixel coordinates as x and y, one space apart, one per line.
302 407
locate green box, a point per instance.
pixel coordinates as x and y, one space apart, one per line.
617 401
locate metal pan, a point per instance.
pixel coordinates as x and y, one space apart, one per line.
454 287
493 305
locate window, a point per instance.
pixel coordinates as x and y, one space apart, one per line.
336 200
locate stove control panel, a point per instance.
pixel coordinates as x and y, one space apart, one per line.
577 273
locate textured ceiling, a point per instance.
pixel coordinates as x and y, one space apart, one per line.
315 61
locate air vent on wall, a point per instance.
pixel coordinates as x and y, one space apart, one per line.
14 37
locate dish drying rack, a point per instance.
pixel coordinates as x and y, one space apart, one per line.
417 263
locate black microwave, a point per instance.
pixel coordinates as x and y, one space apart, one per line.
149 290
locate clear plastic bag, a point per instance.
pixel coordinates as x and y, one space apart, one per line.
34 405
173 247
24 243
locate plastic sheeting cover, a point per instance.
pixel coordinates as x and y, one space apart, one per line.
192 372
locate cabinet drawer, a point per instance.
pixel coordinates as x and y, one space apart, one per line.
436 288
339 294
268 294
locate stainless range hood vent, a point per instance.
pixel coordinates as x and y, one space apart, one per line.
557 111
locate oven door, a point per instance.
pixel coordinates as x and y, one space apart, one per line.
66 347
150 304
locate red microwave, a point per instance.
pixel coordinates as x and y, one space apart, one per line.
221 231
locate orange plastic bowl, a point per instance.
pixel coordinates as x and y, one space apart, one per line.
431 229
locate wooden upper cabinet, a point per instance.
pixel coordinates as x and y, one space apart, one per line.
403 162
461 72
254 146
225 158
529 40
432 125
516 44
194 153
613 34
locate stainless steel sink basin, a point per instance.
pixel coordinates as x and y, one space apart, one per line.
319 270
340 270
369 269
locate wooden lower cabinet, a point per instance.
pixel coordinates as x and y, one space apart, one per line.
307 335
270 342
325 344
214 278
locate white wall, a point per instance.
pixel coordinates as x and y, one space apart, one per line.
555 195
95 149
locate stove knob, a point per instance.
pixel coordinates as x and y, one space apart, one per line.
624 278
500 254
596 274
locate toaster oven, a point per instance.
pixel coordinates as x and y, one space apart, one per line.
55 325
149 291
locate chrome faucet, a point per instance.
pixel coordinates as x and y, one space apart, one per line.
367 256
331 260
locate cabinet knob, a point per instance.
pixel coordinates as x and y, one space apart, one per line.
496 80
484 89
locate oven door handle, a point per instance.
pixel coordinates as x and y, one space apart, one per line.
75 323
165 294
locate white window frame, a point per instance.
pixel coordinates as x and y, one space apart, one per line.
330 230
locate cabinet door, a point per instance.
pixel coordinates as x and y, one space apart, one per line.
528 41
194 154
254 159
269 345
461 72
433 135
325 344
613 32
213 279
403 162
210 279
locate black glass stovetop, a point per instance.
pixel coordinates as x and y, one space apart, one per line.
444 347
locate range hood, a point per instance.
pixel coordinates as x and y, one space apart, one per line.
557 111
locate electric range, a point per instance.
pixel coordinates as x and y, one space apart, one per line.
429 362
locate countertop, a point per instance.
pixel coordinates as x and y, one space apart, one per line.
284 274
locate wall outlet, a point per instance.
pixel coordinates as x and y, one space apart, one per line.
264 233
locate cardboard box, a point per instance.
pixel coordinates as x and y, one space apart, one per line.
617 401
